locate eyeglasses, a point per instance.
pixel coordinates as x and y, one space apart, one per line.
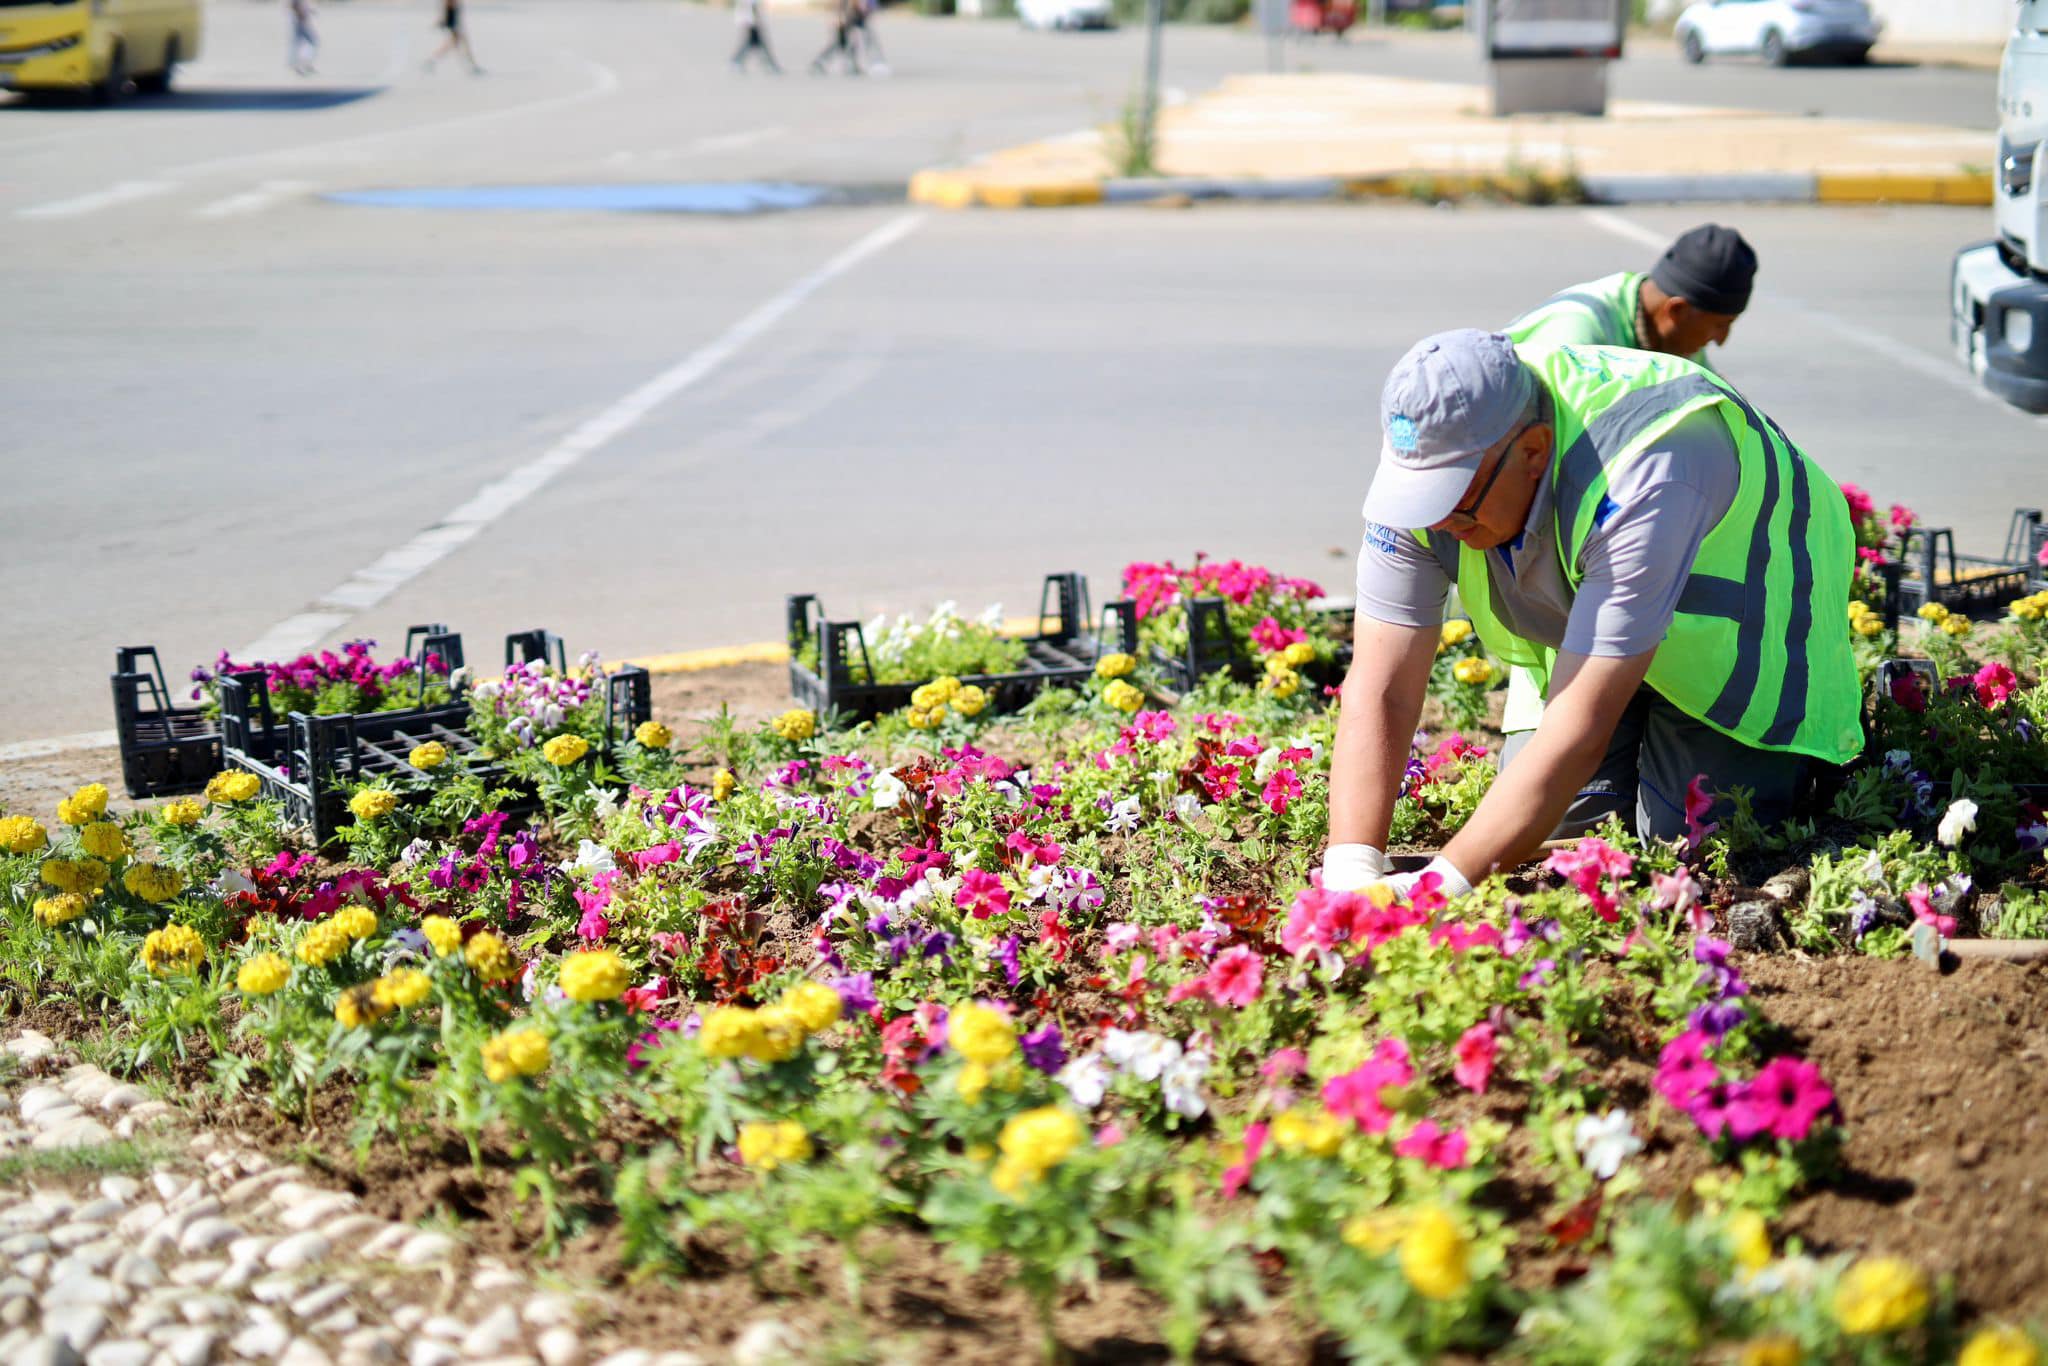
1465 516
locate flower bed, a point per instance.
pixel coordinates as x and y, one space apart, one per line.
1054 996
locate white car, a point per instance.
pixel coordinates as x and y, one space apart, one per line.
1066 13
1777 30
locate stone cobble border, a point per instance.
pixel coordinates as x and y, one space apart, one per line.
219 1254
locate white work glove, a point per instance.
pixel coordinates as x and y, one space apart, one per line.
1353 867
1453 884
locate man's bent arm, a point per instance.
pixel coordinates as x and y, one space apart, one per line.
1531 795
1376 727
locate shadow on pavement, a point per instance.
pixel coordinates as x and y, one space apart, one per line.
283 99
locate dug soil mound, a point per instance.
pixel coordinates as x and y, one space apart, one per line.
1943 1084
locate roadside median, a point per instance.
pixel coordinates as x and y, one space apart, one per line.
1325 137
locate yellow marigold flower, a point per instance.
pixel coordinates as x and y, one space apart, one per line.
972 1081
373 803
970 701
1317 1132
1123 696
87 804
233 786
1039 1140
521 1052
594 975
1379 1231
153 882
22 834
1879 1294
814 1003
1773 1350
1999 1345
403 988
1435 1257
653 735
565 750
357 922
489 958
1932 611
360 1007
1283 683
1751 1240
173 950
1298 654
104 840
778 1034
980 1034
443 935
263 974
61 909
1456 631
1869 626
184 811
729 1032
432 754
768 1146
722 784
1955 627
2030 608
922 718
1115 665
1474 672
322 944
795 725
932 697
86 876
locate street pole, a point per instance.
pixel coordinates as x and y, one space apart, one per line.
1155 23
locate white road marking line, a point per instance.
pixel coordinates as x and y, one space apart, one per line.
57 744
253 201
123 193
372 584
1942 369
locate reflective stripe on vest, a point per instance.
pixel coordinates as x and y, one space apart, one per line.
1609 302
1721 655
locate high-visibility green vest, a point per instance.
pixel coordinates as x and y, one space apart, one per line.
1599 312
1757 649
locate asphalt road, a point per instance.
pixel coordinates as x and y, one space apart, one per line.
241 412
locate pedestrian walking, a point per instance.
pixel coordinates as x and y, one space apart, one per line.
305 42
841 45
457 39
754 35
863 37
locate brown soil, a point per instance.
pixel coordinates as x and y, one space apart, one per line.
34 786
1943 1085
753 691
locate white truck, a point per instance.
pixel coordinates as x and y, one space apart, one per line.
1998 290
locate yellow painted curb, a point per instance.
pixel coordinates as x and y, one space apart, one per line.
718 657
942 190
1887 187
1042 195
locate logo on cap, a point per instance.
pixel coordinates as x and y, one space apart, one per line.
1401 432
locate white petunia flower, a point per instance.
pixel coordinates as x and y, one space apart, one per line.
1086 1078
591 857
1180 1085
886 791
1605 1143
1123 816
1141 1053
1268 764
1187 806
1959 820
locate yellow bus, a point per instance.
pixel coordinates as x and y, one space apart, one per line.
101 46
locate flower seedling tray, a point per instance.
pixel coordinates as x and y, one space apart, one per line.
1211 650
165 749
1936 573
1063 651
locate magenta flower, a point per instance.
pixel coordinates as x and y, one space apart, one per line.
1924 912
1281 789
1861 504
1426 1143
1994 683
1360 1093
1476 1049
1235 1176
1284 1065
1684 1072
1236 976
1271 637
1784 1099
981 894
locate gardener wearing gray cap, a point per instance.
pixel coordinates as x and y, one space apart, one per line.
1691 297
1631 517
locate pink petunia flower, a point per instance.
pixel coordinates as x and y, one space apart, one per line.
1476 1050
1994 683
981 894
1359 1094
1923 911
1784 1099
1235 1176
1861 504
1443 1149
1236 976
1281 789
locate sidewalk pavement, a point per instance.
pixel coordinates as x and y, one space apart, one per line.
1341 136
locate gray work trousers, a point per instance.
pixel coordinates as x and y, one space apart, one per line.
1656 752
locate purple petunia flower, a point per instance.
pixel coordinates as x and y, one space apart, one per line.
1044 1049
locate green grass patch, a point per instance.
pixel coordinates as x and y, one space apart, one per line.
124 1156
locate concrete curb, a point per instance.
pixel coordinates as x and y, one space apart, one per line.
960 189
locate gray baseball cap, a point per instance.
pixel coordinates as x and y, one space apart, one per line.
1452 396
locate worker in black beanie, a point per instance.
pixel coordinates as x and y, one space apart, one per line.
1690 298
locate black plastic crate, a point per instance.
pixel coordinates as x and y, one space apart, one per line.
166 750
1211 650
1062 652
1934 572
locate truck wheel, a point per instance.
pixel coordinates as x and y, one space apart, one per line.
111 86
1774 48
1690 47
159 82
